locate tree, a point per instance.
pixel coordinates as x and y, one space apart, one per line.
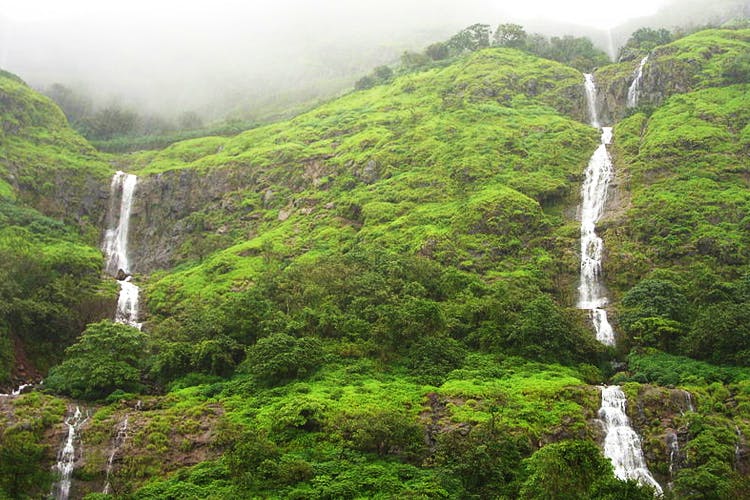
642 41
281 358
510 35
75 106
109 122
107 356
189 120
20 471
473 38
413 59
487 460
437 51
572 470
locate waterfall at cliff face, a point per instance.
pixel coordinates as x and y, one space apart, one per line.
67 455
597 177
122 434
621 444
673 446
635 87
590 87
115 248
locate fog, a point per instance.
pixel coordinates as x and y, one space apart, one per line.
231 57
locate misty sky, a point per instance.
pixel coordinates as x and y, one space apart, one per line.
213 56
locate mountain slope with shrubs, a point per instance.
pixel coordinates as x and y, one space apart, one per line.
377 297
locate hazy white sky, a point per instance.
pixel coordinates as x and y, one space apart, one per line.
212 54
585 12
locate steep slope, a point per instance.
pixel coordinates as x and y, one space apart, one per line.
697 61
50 208
376 299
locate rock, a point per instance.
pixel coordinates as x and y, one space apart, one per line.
267 198
121 275
284 214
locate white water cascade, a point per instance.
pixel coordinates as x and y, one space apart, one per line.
621 444
635 87
115 248
66 457
16 392
673 446
597 177
122 434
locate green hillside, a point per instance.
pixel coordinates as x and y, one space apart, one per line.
50 271
376 298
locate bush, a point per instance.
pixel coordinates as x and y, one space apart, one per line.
280 358
107 356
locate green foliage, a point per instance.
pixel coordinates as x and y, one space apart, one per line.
382 431
665 369
470 39
379 76
432 358
545 333
738 69
573 470
643 41
654 313
108 356
487 460
20 473
510 35
281 358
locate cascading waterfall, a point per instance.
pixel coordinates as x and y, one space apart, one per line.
621 444
673 446
16 392
688 401
115 248
590 87
738 447
635 87
66 457
597 177
122 434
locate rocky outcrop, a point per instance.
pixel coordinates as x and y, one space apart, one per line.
171 206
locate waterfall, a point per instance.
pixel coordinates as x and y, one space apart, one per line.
621 444
16 392
688 401
115 248
122 433
597 177
590 87
738 447
673 446
66 456
635 87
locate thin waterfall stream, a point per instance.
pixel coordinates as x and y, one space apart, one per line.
69 453
119 440
115 247
621 443
635 87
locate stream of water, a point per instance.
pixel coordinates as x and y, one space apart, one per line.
115 247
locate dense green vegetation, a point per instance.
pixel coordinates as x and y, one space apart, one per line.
383 305
50 274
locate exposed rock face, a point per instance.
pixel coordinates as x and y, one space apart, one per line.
80 200
165 207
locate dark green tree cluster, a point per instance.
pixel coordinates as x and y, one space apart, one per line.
578 52
643 41
107 356
50 286
656 313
